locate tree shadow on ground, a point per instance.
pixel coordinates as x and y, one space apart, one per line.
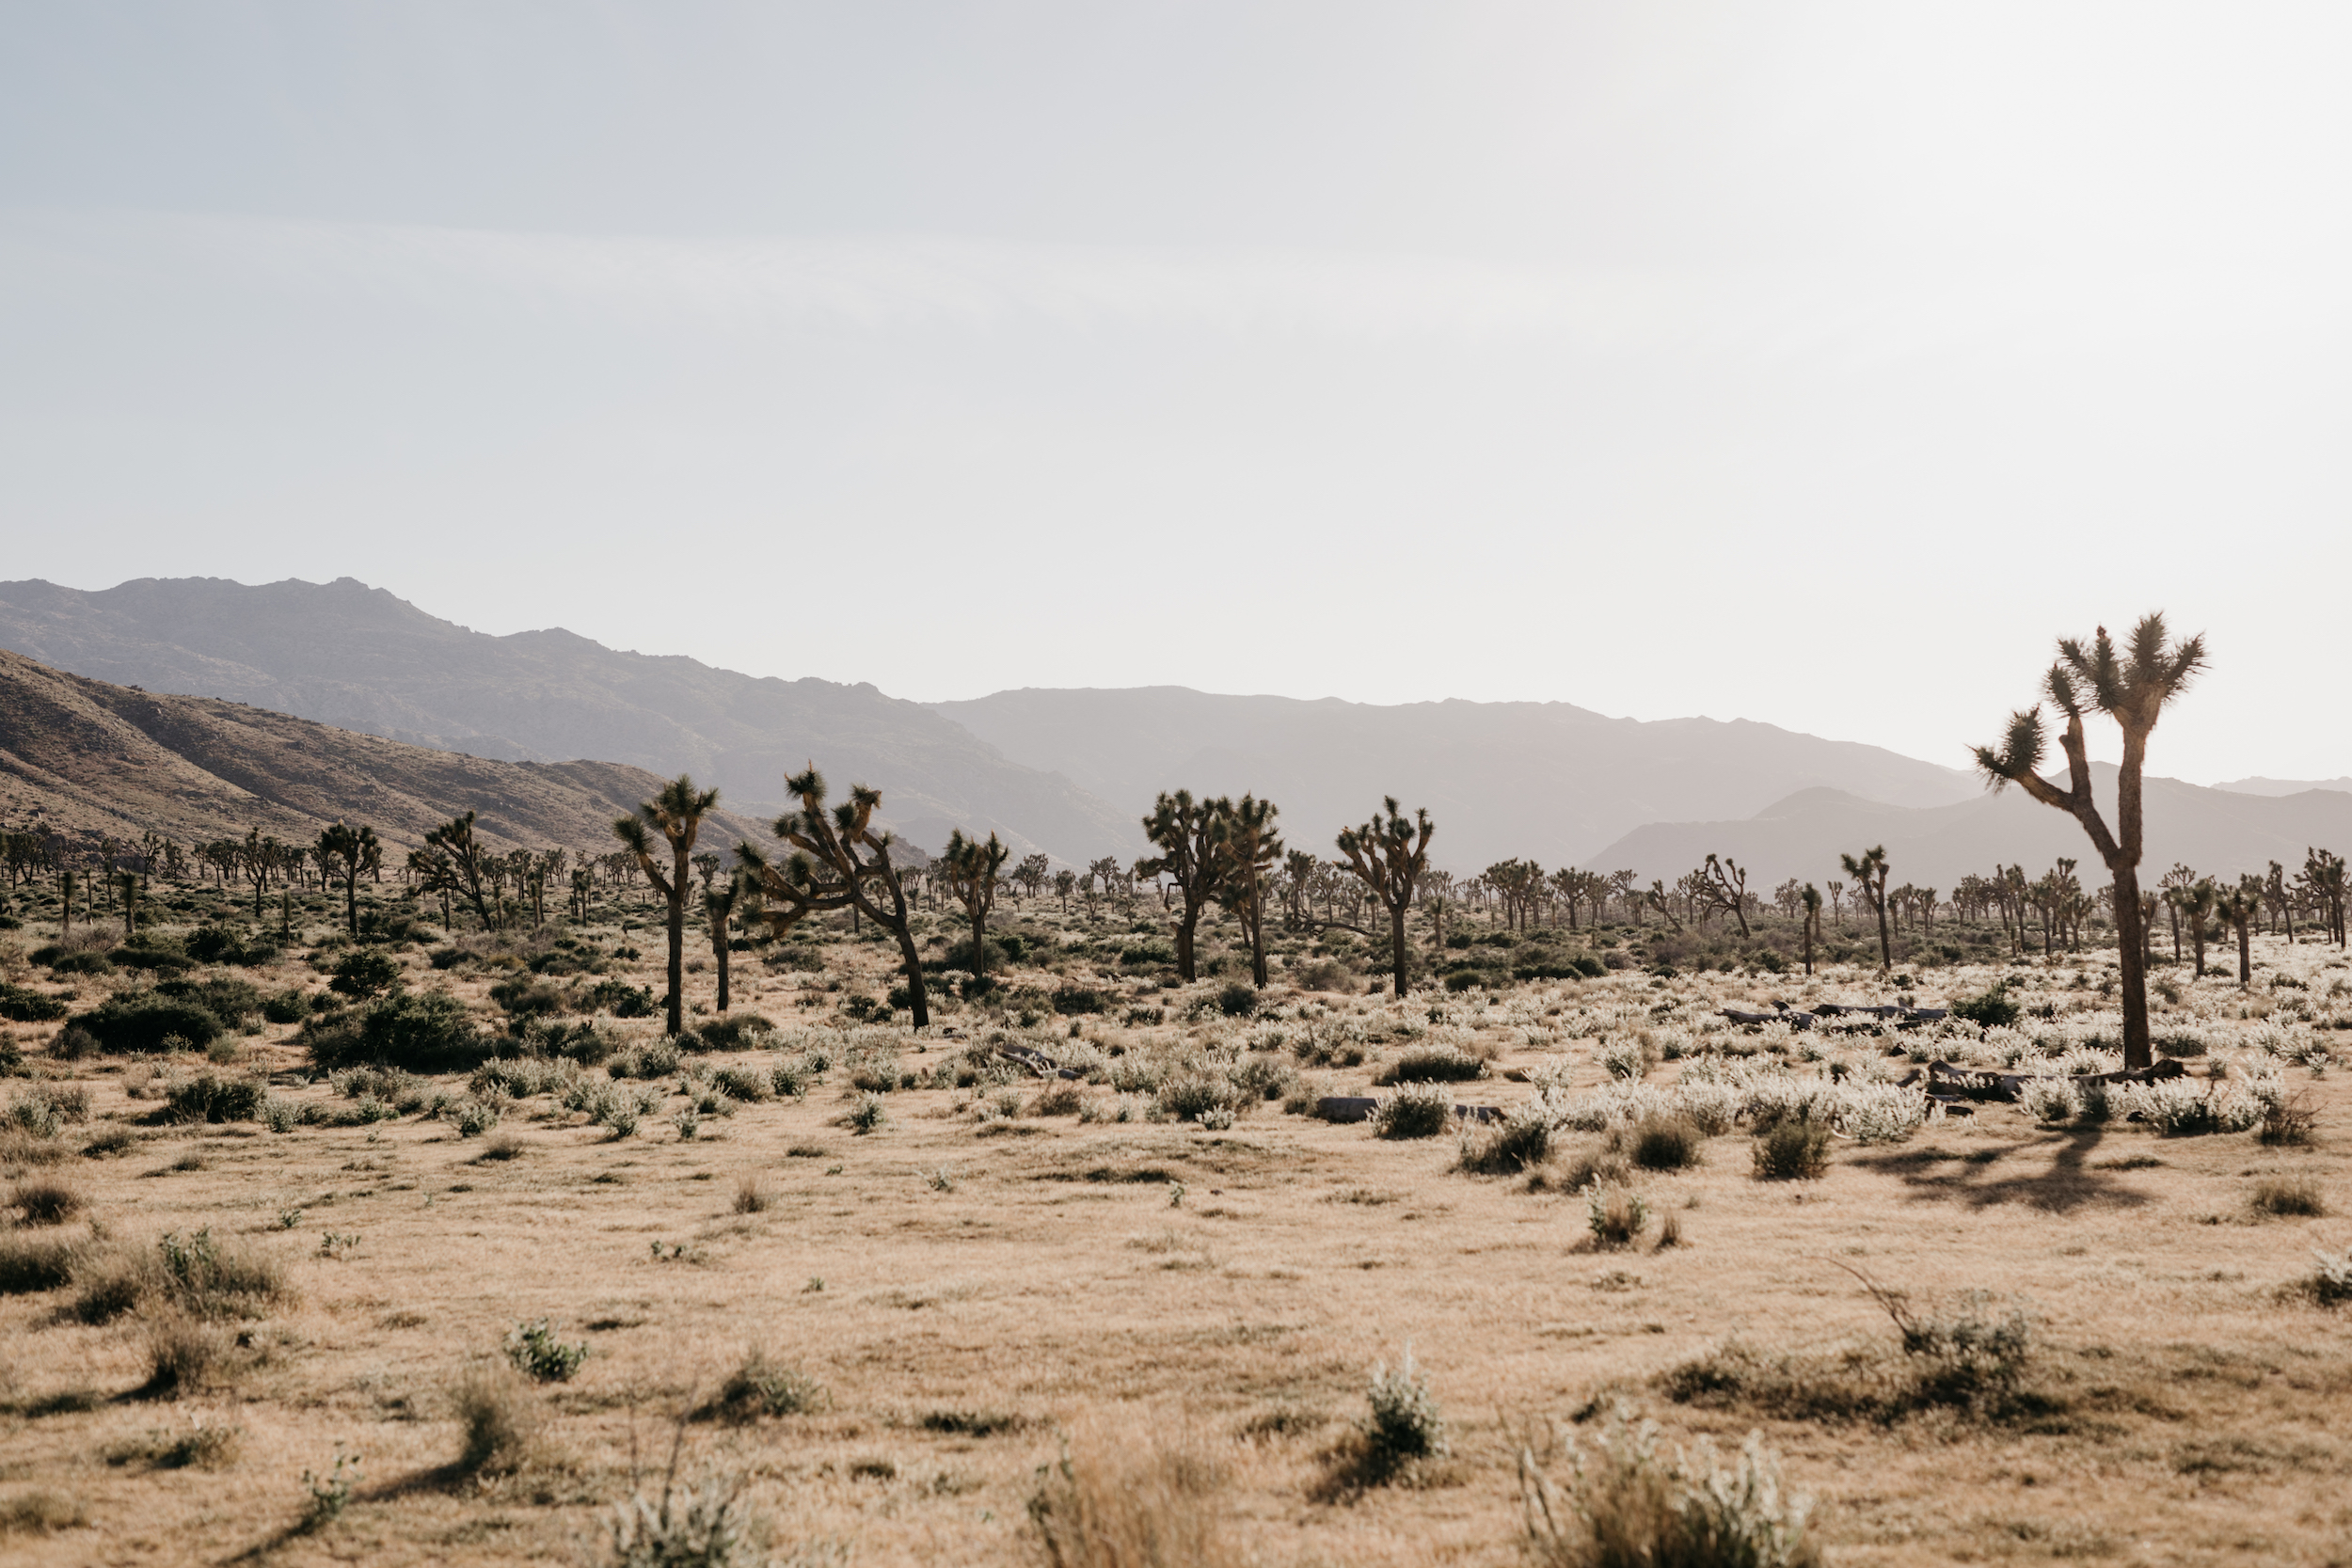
1986 1178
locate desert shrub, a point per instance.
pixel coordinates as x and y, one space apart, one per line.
291 1005
1418 1111
523 997
472 1118
1615 1215
687 1526
1664 1143
761 1386
2331 1282
1991 1010
207 1098
1403 1426
1524 1139
1627 1058
40 1511
50 1106
144 959
538 1353
736 1032
1432 1064
743 1083
1881 1113
30 1264
623 1000
376 1082
232 944
868 1115
184 1353
21 1006
1070 1001
500 1417
1057 1100
415 1031
143 1021
502 1147
1264 1077
1628 1505
112 1138
788 1079
46 1201
193 1274
752 1195
82 961
2176 1108
1967 1353
654 1059
1197 1096
73 1043
2296 1197
2288 1123
1791 1150
1237 1000
2050 1100
232 1000
364 973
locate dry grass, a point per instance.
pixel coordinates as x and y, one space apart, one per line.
500 1417
2184 1389
46 1201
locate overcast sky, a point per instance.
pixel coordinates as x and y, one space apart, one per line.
1808 364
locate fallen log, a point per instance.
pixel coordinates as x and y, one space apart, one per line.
1360 1107
1951 1081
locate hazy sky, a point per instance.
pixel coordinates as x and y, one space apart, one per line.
1807 364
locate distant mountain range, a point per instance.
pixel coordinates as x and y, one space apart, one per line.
2215 832
85 759
2284 786
1069 771
1541 780
356 658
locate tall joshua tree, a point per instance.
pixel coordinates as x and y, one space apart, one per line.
971 869
1727 885
839 861
1810 901
1869 876
2323 878
2241 906
464 865
1388 855
721 901
345 851
678 814
1248 851
2131 688
1182 827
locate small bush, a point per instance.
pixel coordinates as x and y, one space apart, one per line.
1422 1111
40 1512
1666 1142
1132 1496
184 1353
142 1021
415 1031
207 1098
29 1264
870 1116
1404 1425
523 997
623 1000
538 1354
45 1200
502 1146
21 1006
1432 1064
2331 1283
291 1005
364 975
1523 1140
1199 1096
501 1419
751 1194
1628 1505
206 1280
2288 1123
736 1032
2294 1196
112 1138
687 1527
1615 1215
762 1387
1963 1354
1237 1000
1991 1010
1071 1000
473 1118
232 944
1792 1151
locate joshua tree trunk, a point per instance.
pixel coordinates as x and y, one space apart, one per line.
678 812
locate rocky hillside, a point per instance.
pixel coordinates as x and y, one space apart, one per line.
86 758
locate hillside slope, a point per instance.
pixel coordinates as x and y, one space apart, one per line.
357 658
2215 832
87 759
1545 779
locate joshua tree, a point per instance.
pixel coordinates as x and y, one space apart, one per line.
2322 880
1101 878
1727 885
2198 902
1389 856
1810 901
1248 850
2132 690
1181 829
839 861
2172 881
971 869
2241 906
464 866
678 812
1065 883
721 901
346 851
256 858
1655 898
1869 876
1837 904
